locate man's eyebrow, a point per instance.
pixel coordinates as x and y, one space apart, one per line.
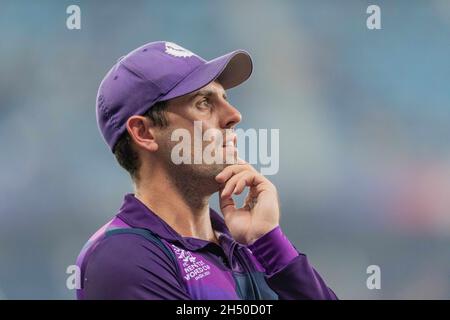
205 93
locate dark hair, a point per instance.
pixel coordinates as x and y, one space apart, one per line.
123 150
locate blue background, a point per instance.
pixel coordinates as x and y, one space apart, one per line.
363 117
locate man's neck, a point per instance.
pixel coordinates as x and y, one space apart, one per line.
188 217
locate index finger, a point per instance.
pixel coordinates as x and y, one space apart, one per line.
230 171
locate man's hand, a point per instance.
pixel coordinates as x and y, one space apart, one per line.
260 213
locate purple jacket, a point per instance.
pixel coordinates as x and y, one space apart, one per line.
138 256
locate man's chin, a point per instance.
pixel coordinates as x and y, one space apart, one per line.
212 170
200 176
208 173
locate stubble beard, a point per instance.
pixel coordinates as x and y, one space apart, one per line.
196 182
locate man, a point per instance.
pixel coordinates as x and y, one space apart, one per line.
165 242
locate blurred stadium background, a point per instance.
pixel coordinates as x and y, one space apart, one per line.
363 116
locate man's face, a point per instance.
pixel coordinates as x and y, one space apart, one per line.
207 115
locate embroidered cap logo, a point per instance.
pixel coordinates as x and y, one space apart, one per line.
177 51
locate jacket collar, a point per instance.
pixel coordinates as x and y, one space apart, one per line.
138 215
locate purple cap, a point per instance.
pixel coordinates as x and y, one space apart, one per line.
160 71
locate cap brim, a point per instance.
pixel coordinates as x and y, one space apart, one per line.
230 70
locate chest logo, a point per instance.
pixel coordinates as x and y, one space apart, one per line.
193 267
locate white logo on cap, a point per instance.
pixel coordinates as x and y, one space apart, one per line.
177 51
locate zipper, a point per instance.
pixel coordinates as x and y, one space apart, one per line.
248 271
231 254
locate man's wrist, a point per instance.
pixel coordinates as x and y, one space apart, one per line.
273 250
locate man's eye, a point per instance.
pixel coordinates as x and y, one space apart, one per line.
204 102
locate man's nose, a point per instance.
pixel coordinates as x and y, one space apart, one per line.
230 116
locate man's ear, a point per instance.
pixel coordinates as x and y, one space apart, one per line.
141 131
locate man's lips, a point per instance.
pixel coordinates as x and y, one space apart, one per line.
231 142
